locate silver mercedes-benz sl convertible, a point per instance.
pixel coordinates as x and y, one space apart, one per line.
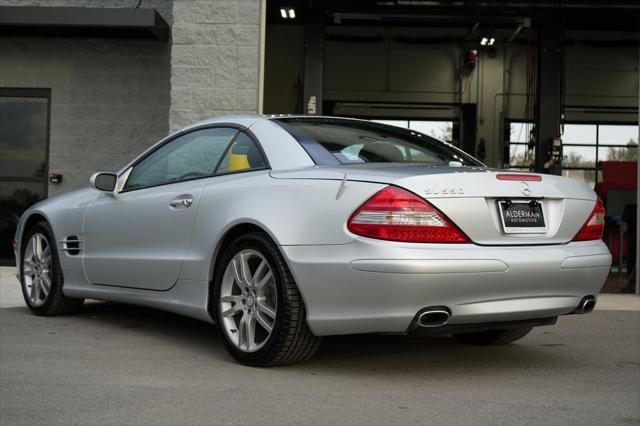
282 230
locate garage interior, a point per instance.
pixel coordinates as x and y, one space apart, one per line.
549 87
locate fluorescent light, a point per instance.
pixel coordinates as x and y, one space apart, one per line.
283 13
493 40
483 41
292 14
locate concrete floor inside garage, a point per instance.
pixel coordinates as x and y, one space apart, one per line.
120 364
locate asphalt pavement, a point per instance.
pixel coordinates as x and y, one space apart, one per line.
123 365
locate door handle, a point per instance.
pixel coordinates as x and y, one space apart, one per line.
180 202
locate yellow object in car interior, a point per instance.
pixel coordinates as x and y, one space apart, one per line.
238 158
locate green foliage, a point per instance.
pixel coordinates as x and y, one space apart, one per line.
444 133
629 153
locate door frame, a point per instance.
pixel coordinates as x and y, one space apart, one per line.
30 92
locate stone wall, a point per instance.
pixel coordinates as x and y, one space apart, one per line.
214 59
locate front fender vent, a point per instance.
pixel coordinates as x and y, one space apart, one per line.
72 245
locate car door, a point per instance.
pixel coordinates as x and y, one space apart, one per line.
139 237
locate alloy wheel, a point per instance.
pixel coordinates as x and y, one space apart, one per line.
36 269
248 300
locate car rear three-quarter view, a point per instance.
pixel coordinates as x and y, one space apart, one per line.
281 230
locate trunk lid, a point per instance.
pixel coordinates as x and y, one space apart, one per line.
469 196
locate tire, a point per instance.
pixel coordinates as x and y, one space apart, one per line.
51 301
493 337
290 340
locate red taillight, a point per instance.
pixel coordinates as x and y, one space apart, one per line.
519 177
399 215
593 228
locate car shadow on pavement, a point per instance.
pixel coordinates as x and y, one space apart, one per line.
355 354
439 356
119 321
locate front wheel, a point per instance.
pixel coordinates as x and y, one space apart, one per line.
41 276
493 337
258 308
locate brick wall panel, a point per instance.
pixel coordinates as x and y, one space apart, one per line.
214 59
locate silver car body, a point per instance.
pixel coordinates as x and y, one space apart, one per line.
134 248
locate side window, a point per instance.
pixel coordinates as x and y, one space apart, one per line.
242 155
190 156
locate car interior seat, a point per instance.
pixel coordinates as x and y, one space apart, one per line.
381 152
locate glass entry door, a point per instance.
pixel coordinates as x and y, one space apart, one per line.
24 146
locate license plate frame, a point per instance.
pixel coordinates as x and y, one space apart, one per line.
522 224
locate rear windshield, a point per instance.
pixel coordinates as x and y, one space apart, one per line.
340 141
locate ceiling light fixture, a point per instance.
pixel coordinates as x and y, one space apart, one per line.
487 41
287 13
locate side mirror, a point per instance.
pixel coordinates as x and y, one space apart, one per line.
105 182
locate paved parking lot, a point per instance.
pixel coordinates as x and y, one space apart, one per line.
118 364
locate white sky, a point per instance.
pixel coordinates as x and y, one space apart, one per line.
431 128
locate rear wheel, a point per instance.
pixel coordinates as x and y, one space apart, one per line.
41 275
493 337
260 313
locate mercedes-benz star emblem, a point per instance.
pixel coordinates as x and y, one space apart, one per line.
524 188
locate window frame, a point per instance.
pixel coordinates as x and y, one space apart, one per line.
321 156
455 123
454 119
125 173
508 123
596 146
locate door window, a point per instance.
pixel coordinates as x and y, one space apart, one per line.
187 157
243 155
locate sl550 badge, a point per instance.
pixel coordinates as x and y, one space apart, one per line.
443 191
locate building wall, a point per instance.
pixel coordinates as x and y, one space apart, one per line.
109 97
112 98
215 59
380 68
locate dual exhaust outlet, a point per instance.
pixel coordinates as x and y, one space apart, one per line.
437 316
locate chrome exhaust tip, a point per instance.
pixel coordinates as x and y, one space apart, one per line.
586 305
434 317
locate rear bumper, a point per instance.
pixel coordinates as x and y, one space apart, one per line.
371 286
478 327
